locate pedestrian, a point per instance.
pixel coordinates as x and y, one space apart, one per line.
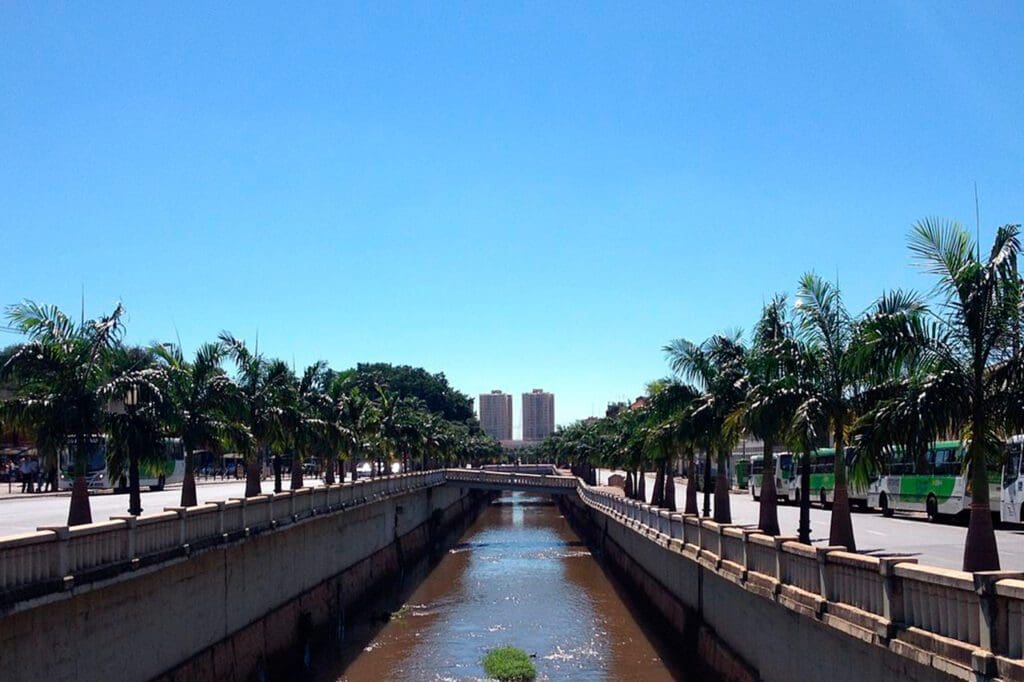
34 485
25 470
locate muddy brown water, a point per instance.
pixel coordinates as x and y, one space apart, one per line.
519 576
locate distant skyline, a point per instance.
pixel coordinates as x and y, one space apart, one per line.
515 195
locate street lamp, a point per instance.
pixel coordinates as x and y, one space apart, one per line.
131 400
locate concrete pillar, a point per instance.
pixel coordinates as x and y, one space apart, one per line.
821 553
892 593
780 556
992 624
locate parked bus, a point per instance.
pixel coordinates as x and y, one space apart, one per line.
823 478
95 463
822 482
155 473
937 483
787 483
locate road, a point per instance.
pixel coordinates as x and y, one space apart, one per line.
910 535
25 513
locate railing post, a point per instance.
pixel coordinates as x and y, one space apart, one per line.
130 523
182 530
63 534
992 625
821 553
780 556
220 518
892 593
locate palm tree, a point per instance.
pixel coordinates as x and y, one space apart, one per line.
262 392
718 366
61 372
668 404
198 396
771 398
308 417
826 327
967 358
134 420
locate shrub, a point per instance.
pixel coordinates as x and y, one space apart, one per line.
509 664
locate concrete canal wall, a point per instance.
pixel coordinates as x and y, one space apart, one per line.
224 610
742 627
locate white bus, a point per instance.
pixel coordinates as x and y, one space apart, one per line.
154 474
787 483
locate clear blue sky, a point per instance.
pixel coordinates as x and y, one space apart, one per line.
521 195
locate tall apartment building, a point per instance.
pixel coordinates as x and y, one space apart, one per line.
496 414
538 414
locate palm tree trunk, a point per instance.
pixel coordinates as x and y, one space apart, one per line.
630 493
277 473
296 471
253 465
641 485
691 486
768 517
188 486
981 552
723 512
840 530
669 496
329 469
80 511
658 494
707 482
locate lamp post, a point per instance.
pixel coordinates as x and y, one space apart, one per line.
131 400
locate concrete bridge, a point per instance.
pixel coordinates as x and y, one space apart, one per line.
548 483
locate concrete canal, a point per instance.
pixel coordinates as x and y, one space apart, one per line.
519 575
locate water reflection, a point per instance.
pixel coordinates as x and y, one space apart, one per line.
520 576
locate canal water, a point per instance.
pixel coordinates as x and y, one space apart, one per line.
520 576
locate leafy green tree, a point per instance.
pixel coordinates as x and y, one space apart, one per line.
968 363
772 396
262 394
404 381
60 375
828 330
718 367
198 399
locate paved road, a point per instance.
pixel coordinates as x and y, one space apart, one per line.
936 544
23 514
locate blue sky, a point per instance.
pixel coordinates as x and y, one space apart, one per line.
518 194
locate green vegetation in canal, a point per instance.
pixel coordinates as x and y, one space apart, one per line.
508 664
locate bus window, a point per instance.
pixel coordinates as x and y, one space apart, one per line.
786 465
946 461
756 466
1012 470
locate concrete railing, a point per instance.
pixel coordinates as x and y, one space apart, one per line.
53 557
975 620
510 480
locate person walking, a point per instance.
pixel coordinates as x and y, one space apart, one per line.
26 475
34 484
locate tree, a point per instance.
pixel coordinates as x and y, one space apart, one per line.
61 373
404 381
262 391
771 399
198 397
718 367
967 354
826 327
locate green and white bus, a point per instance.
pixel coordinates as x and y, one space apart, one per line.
823 478
937 483
786 482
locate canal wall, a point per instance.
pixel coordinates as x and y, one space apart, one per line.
744 630
225 611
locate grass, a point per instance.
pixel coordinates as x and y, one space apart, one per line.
509 664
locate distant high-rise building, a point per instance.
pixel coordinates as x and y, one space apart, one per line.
496 415
538 414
